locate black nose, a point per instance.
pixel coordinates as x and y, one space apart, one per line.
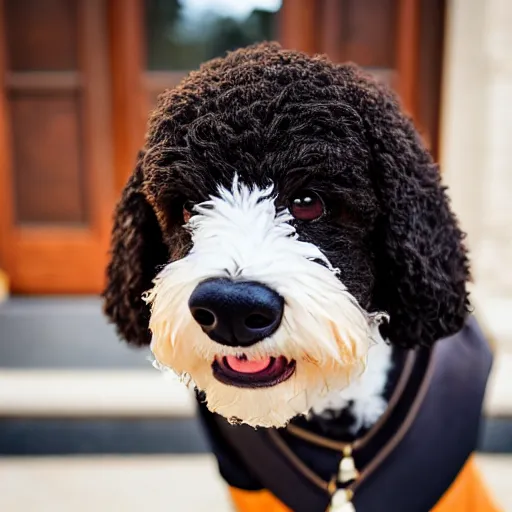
236 313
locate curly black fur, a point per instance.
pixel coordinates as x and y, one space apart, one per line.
301 122
137 251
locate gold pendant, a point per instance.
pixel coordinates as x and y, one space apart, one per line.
340 501
347 470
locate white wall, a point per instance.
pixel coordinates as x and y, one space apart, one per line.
476 146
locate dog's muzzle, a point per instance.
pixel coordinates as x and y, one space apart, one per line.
251 318
240 314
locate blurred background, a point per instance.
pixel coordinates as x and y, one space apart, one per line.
88 424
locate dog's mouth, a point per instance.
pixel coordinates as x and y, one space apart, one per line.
245 373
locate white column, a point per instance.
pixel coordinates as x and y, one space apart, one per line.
463 121
476 146
494 252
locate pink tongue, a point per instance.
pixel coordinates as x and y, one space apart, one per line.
247 366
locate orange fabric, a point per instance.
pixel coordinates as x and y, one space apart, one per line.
467 494
256 501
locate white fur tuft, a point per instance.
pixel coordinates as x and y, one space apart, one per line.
364 393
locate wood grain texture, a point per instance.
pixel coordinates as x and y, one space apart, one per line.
407 50
40 34
298 25
130 102
7 253
46 155
56 131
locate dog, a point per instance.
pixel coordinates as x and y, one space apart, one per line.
285 245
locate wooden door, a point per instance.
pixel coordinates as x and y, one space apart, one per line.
78 78
400 41
155 43
55 138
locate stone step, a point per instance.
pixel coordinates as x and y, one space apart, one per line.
92 393
103 484
149 393
156 483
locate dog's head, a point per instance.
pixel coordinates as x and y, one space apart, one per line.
280 206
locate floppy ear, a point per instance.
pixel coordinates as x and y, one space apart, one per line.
137 250
421 261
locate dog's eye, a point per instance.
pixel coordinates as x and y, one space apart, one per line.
307 206
188 208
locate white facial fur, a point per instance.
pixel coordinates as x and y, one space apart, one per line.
364 394
240 235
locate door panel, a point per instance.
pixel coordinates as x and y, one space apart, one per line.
55 181
41 34
430 58
400 42
362 31
48 180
